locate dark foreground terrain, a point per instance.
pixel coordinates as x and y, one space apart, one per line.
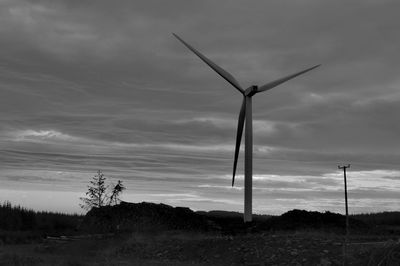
187 248
157 234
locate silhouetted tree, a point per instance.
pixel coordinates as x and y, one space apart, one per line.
115 193
96 194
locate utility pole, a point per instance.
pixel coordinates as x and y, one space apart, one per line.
344 167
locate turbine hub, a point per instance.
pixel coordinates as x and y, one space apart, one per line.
250 91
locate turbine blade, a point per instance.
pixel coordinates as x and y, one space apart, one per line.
277 82
223 73
239 132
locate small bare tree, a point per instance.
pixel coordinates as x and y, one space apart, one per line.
115 193
96 194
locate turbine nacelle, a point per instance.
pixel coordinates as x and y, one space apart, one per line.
250 91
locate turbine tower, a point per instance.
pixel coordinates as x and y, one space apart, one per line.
245 116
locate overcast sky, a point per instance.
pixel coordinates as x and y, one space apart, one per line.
88 85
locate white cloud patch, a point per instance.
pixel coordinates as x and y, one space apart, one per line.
264 127
259 126
314 98
217 122
220 187
41 135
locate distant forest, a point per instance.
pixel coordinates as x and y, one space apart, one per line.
17 218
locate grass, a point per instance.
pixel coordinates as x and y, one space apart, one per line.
184 248
24 243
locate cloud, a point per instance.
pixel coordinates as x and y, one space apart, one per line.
32 135
392 177
86 84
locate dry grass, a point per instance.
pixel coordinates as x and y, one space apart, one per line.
188 248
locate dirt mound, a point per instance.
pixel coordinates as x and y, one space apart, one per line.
143 217
151 217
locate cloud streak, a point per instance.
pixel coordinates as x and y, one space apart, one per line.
88 85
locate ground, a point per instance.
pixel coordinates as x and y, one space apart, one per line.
189 248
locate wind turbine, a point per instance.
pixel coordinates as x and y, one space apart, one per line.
245 115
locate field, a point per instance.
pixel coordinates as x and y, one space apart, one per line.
188 248
158 234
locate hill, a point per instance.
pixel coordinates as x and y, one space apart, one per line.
304 220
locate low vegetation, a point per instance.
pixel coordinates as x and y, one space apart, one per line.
158 234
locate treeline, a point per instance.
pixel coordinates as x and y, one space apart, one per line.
380 218
17 218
